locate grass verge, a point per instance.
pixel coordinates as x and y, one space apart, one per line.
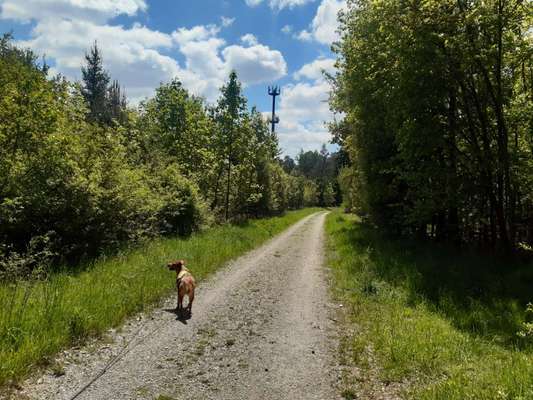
37 319
433 322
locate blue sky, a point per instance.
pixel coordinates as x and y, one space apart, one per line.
144 42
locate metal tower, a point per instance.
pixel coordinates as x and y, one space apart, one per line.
274 91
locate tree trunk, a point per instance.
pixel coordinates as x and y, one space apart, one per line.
229 175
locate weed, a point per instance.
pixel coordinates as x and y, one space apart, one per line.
57 369
200 347
526 332
349 394
77 324
442 320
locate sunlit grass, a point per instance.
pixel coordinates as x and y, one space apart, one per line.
442 324
37 319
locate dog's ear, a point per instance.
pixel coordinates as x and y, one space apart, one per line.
182 263
172 265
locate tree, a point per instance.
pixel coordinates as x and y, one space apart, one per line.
322 168
288 164
176 128
231 109
116 103
72 186
95 85
434 94
328 195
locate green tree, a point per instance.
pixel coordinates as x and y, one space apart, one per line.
116 103
288 164
230 111
175 128
70 188
431 94
95 85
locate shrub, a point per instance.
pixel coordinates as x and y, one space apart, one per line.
68 188
183 210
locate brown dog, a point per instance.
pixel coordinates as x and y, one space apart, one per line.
184 283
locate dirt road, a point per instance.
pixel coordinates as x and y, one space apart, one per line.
260 329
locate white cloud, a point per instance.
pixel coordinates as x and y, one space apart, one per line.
226 22
93 10
324 26
249 39
253 3
131 55
64 29
279 4
304 36
306 101
202 56
197 33
325 23
255 64
304 110
315 70
287 29
208 61
206 70
296 137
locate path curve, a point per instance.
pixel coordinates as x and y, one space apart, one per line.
261 329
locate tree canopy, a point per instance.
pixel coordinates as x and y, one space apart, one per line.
437 97
81 172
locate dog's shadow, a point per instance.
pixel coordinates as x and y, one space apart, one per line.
182 316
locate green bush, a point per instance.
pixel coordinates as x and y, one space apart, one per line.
72 185
70 188
310 193
183 211
295 192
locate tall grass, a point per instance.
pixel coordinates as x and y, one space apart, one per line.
445 324
39 318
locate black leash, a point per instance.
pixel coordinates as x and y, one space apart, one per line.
116 359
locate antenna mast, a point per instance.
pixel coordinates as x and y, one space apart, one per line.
274 91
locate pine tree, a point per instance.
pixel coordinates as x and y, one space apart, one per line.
116 103
231 108
95 85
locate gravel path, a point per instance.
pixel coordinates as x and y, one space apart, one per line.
262 328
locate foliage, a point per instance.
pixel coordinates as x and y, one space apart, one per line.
106 102
319 171
231 139
72 182
174 128
183 210
116 103
81 173
437 98
95 85
310 195
526 331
